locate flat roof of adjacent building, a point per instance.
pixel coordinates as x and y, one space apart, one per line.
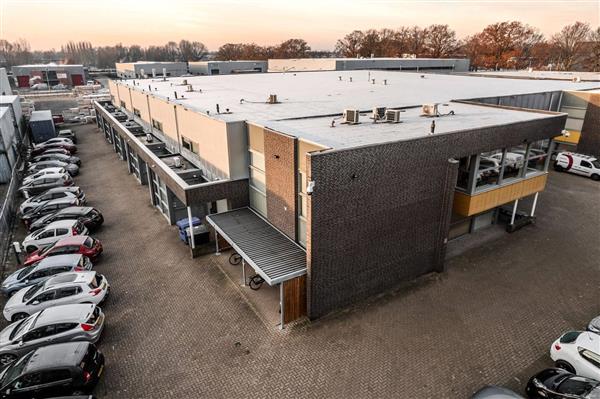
413 125
550 75
42 115
311 94
51 65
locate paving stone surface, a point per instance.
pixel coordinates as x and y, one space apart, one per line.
178 327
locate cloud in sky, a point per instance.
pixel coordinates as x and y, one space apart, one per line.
50 23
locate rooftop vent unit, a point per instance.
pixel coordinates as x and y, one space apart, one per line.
272 99
430 109
149 138
378 113
392 116
190 88
351 116
178 163
184 82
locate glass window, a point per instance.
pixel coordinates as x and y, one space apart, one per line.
51 376
61 232
67 292
585 164
258 180
157 125
514 162
538 155
302 231
189 145
46 296
488 172
28 380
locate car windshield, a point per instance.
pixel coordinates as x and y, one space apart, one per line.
25 271
32 291
47 249
89 242
594 393
576 386
570 337
15 370
22 327
596 164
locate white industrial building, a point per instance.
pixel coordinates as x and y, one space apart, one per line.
147 69
8 145
50 74
226 67
13 103
5 88
387 64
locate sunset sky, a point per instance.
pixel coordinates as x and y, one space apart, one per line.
50 23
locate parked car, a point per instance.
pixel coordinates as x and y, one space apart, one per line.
41 184
558 383
495 392
91 217
579 164
69 134
59 369
69 167
594 325
50 194
85 245
58 139
47 208
56 144
39 86
62 323
513 160
43 270
60 86
43 172
59 157
61 289
53 232
578 352
52 150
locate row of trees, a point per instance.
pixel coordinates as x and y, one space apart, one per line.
503 45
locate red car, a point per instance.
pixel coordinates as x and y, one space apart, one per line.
84 245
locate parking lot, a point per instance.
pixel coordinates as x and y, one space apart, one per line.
180 327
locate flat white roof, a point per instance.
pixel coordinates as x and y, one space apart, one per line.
8 99
412 125
310 94
41 115
51 65
3 110
552 75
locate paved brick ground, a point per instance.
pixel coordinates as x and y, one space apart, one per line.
179 328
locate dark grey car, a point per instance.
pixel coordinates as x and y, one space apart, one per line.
49 207
43 270
63 323
60 157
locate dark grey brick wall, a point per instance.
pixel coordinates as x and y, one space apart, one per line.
589 143
280 172
389 223
236 191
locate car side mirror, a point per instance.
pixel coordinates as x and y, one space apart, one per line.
35 303
21 343
538 384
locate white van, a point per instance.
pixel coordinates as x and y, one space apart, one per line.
580 164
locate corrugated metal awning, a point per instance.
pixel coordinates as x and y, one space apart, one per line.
274 256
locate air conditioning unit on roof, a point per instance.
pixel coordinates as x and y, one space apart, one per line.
351 116
430 109
392 116
379 113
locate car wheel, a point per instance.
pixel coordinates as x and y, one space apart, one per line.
561 364
19 316
30 249
7 358
558 168
595 177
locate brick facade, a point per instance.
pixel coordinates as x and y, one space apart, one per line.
589 143
379 214
280 172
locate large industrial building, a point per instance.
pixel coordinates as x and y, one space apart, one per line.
226 67
335 186
145 69
50 74
387 64
5 88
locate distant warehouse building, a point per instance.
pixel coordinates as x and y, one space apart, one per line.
51 74
351 64
332 187
148 69
226 67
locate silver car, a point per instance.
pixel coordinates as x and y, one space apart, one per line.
48 208
65 323
69 167
53 193
53 232
61 289
43 183
46 171
43 270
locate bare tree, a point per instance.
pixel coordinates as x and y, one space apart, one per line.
569 43
440 41
592 62
292 48
350 45
191 51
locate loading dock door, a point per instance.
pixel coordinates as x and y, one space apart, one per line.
77 80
